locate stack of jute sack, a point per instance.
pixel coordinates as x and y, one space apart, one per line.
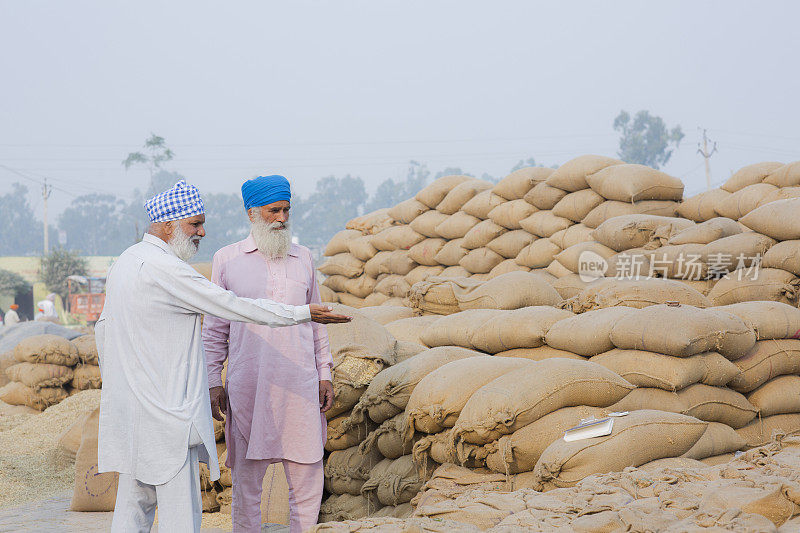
48 368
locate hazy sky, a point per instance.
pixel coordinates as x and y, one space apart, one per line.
310 89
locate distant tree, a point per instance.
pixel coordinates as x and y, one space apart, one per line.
20 232
530 162
57 266
645 139
391 192
96 224
334 201
12 283
155 154
449 171
226 223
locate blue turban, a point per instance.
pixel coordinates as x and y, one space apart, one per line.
264 190
181 201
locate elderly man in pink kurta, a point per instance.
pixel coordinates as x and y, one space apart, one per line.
278 380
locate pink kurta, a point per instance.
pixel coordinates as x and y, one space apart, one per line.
273 373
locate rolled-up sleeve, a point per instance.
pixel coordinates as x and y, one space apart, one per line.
322 349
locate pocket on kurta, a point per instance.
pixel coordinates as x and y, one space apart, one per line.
296 291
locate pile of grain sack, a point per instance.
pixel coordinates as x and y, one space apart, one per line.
44 369
523 308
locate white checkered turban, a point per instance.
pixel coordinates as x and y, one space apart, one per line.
181 201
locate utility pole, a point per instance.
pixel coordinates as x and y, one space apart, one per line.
45 195
707 155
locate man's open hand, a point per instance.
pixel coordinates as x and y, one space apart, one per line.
325 395
323 315
219 402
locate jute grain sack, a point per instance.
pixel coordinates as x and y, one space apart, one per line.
372 222
427 222
712 404
509 214
509 291
406 350
434 193
691 331
346 507
655 370
336 283
362 286
700 207
785 256
557 270
39 375
780 194
406 211
544 197
632 183
425 251
520 328
539 354
388 439
703 286
410 329
482 204
87 377
577 205
544 223
612 208
518 398
517 184
778 220
343 433
638 293
762 431
480 260
756 284
381 242
391 285
342 264
538 254
387 313
398 262
595 327
750 175
396 483
634 230
436 294
765 361
439 397
482 234
745 200
633 263
345 298
571 176
737 251
15 393
510 244
643 435
70 439
87 349
423 272
451 253
361 248
339 242
93 491
787 175
402 237
50 349
457 329
680 261
716 440
706 232
769 320
575 257
519 452
461 194
777 396
572 285
509 265
571 236
440 448
347 470
389 391
456 226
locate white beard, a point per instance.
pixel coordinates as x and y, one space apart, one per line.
184 246
272 242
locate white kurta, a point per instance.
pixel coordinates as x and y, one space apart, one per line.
155 384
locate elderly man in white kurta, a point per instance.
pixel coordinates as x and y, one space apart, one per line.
155 413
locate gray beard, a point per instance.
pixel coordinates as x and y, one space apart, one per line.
183 246
273 243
